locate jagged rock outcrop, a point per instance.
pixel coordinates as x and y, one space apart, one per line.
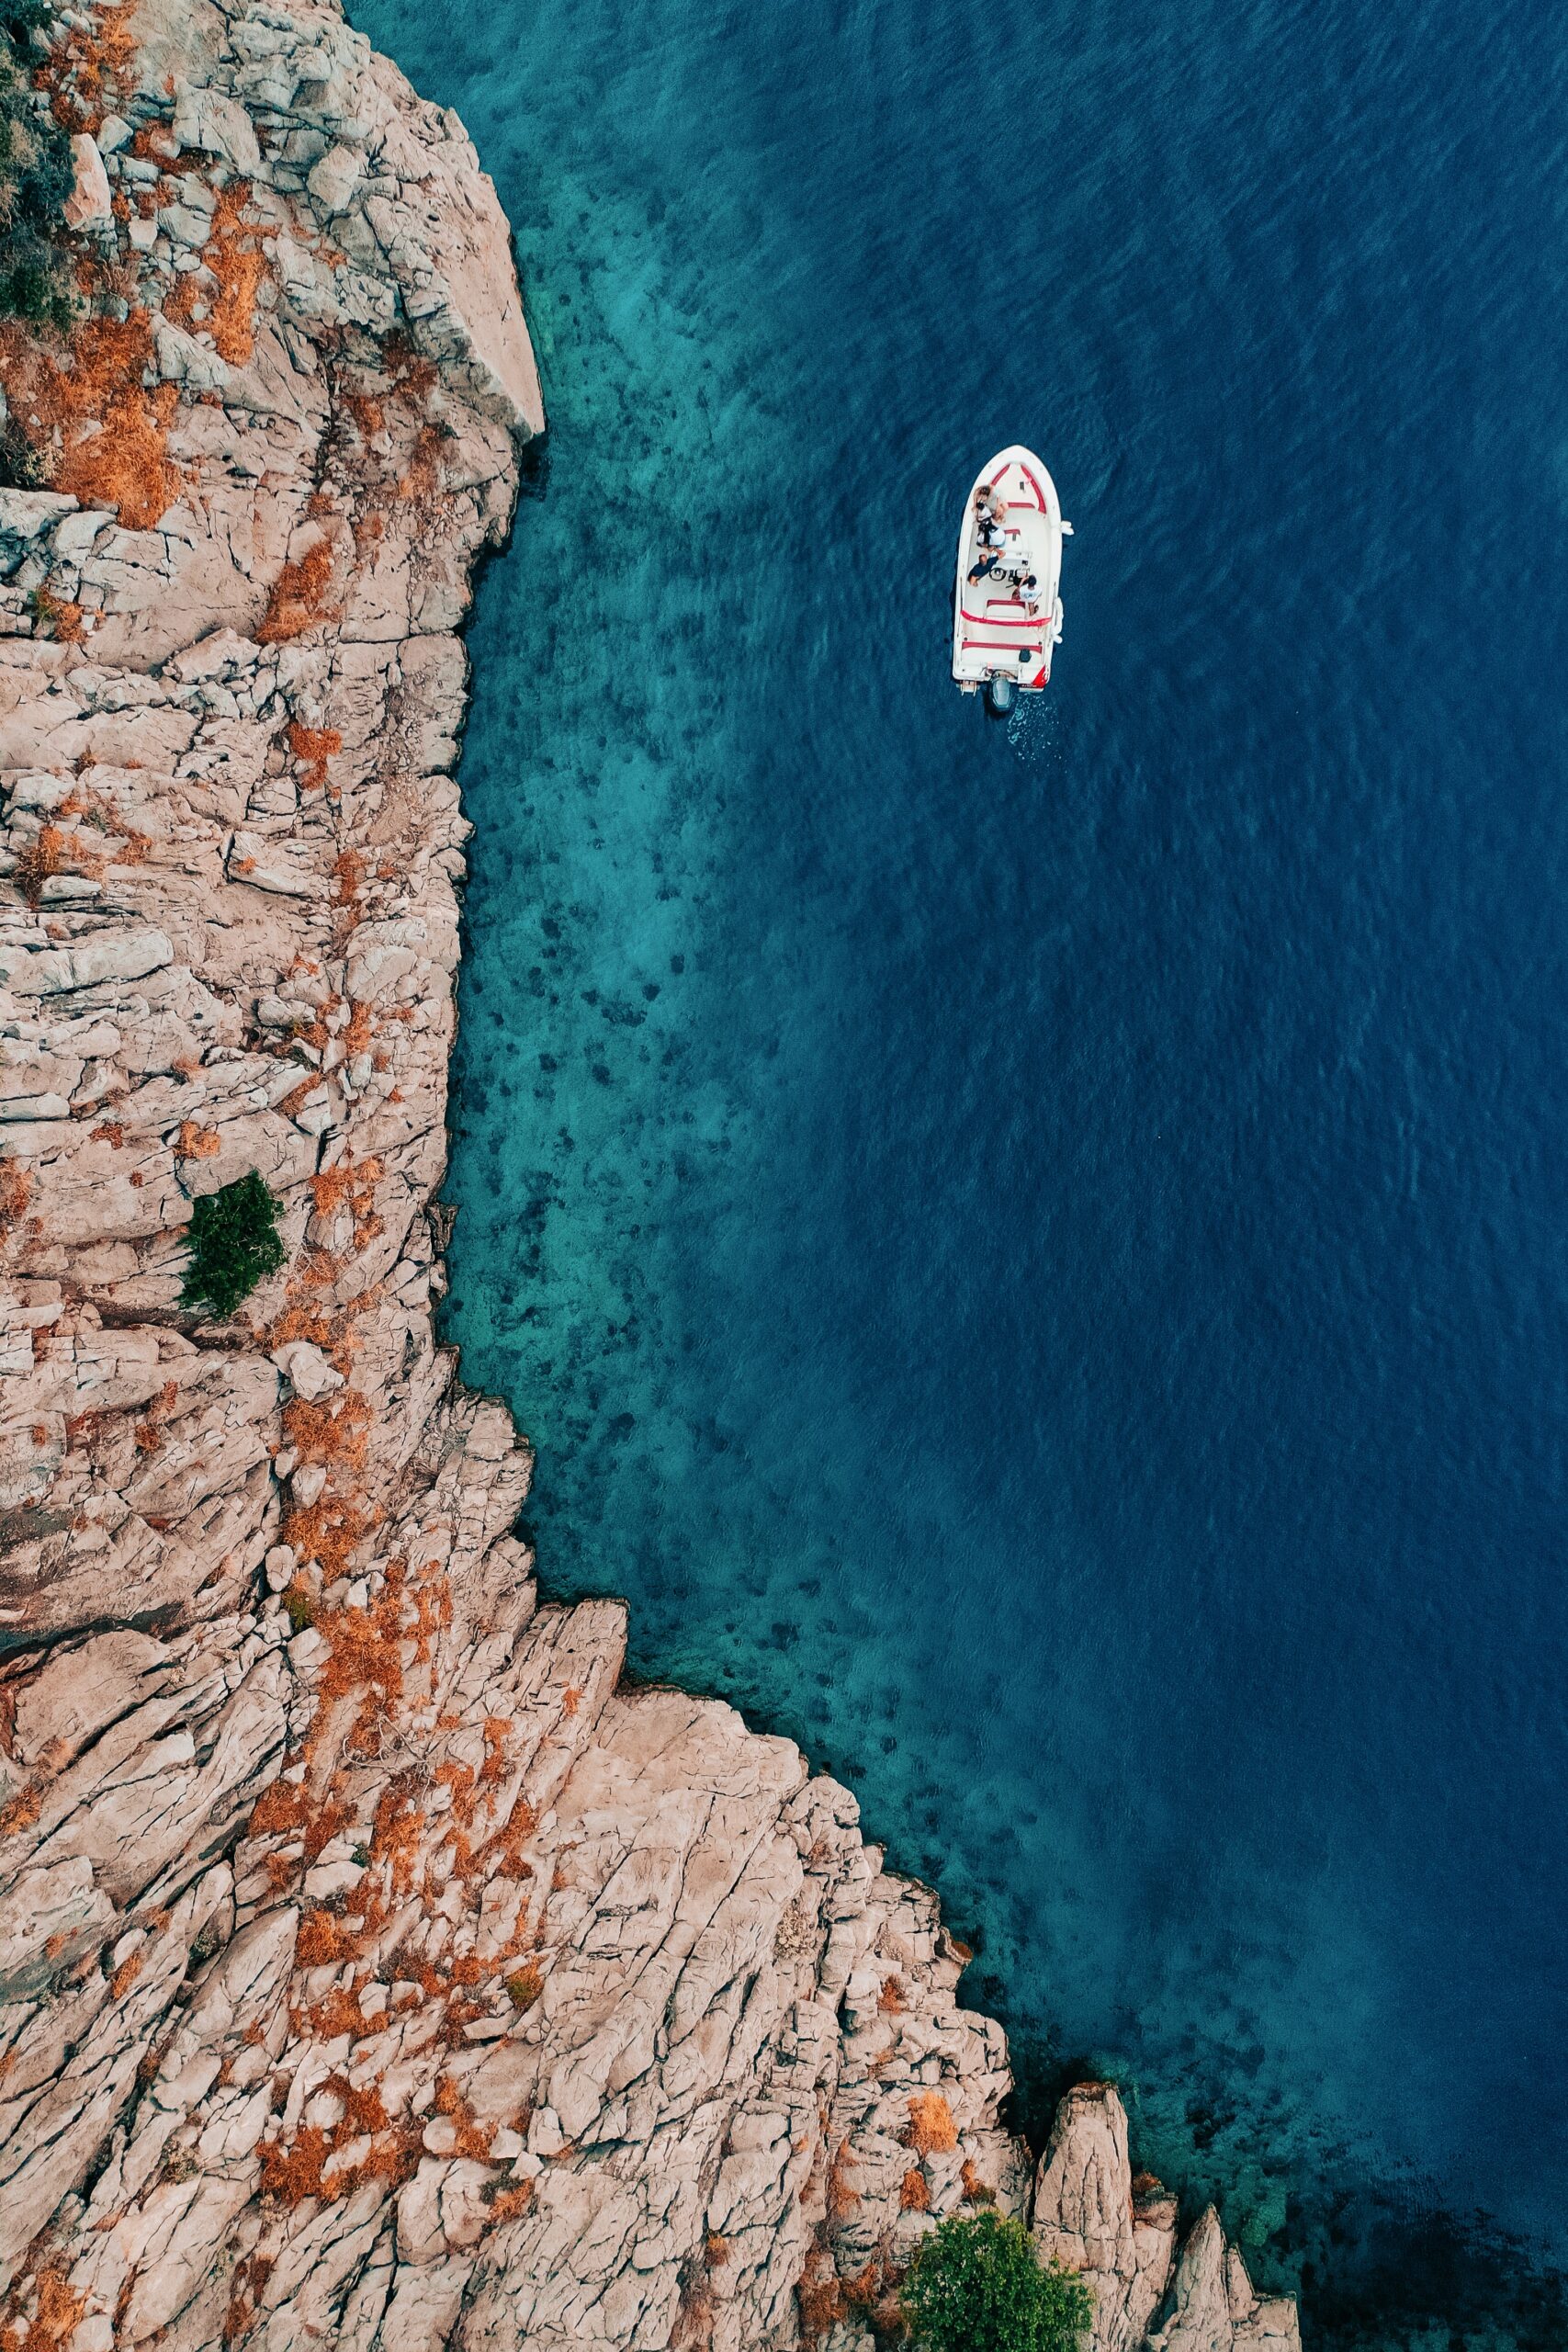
1214 2307
373 1965
1090 2214
1121 2234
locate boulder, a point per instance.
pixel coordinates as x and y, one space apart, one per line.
89 199
307 1368
332 179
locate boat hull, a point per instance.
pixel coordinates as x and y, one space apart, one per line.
996 634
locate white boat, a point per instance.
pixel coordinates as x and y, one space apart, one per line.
1003 630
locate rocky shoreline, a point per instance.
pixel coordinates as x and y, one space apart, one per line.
373 1964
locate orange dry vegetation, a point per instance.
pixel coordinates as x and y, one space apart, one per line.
377 1656
931 2130
278 1810
367 413
322 1939
59 2310
62 621
415 377
914 2196
842 2198
302 1323
463 1782
821 2300
328 1817
126 1974
423 476
506 1847
526 1986
299 597
16 1191
328 1531
22 1811
365 1658
251 2275
298 1096
337 2013
236 259
313 747
867 2285
87 72
507 2203
333 1430
334 1186
473 2140
365 1646
124 464
97 381
197 1143
294 2173
37 861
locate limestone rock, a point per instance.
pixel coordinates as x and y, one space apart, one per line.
1090 2215
1214 2307
308 1369
89 199
209 119
334 178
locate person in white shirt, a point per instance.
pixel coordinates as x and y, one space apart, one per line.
990 536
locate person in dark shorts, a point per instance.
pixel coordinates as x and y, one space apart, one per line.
991 537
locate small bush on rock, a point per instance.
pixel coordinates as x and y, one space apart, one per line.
300 1607
233 1244
976 2285
526 1986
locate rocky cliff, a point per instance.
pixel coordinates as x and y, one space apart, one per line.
375 1966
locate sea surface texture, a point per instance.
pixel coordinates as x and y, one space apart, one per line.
1034 1254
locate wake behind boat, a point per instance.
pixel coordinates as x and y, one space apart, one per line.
1007 612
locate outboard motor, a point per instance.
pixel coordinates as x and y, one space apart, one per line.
1001 693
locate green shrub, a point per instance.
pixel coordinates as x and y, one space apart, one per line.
976 2285
526 1986
36 178
21 18
233 1244
300 1607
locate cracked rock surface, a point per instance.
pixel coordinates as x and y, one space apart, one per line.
374 1966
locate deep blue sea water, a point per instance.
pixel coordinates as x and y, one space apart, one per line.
1034 1255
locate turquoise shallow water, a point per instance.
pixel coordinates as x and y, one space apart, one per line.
1033 1255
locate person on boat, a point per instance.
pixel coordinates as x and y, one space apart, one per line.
991 540
1028 593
